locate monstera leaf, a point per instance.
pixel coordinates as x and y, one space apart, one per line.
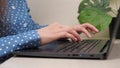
95 13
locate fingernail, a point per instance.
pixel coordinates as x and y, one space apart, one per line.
89 36
97 30
76 39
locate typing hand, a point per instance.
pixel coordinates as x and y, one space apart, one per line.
57 31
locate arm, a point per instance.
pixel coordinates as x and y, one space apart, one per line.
9 44
56 31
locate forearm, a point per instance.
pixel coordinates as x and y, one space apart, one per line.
15 42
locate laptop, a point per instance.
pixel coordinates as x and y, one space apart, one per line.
86 49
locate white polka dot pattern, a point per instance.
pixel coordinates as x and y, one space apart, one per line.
19 31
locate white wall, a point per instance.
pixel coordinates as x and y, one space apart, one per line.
49 11
62 11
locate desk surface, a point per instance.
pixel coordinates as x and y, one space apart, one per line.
113 61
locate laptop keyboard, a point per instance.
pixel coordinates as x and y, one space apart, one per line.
83 46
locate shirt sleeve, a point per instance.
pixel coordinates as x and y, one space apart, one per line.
37 26
9 44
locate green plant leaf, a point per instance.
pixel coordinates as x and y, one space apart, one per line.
103 5
95 17
84 4
95 13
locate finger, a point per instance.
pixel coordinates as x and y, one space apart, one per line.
91 27
82 29
67 35
85 32
74 33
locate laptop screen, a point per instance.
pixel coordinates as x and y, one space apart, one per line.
114 26
116 23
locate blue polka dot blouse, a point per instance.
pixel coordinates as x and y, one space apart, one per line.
19 30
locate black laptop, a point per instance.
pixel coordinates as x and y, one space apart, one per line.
86 49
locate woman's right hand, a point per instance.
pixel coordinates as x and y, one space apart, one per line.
57 31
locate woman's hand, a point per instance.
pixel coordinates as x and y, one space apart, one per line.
57 31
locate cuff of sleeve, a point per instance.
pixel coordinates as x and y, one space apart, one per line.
32 39
37 26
